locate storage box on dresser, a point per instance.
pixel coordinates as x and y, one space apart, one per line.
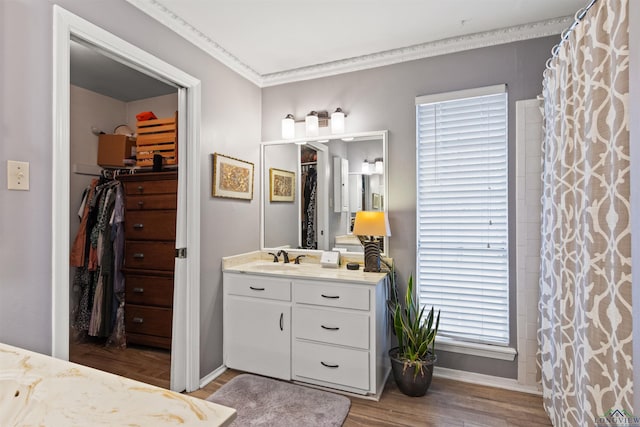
331 334
150 233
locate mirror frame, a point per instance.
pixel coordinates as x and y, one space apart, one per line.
383 134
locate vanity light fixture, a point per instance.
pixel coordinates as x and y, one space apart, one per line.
311 124
365 167
370 226
337 121
288 127
379 166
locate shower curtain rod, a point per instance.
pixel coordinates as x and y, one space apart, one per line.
578 17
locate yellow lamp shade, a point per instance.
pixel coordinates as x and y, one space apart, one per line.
371 223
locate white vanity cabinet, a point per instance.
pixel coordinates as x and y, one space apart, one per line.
340 335
257 324
323 327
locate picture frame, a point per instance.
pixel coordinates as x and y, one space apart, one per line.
232 178
282 185
375 201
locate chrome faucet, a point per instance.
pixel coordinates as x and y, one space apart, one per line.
285 256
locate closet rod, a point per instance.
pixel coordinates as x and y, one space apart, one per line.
578 17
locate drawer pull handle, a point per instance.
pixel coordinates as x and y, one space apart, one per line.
253 288
330 328
140 203
138 290
138 255
140 188
138 226
138 320
281 321
327 365
330 296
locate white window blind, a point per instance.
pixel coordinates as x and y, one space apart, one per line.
462 253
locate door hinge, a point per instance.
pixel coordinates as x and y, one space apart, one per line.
181 253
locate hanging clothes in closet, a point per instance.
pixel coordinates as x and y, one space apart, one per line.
97 255
310 240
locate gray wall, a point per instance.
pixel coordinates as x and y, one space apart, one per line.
383 98
231 113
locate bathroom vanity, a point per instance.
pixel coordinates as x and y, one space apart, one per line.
320 326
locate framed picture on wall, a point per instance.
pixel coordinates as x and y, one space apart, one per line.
232 178
376 201
282 185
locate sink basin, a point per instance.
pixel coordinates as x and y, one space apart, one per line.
277 266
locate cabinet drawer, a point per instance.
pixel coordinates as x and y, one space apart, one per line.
148 320
149 202
331 326
149 255
163 186
342 366
151 225
258 286
149 290
331 295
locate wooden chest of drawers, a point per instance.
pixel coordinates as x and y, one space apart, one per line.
149 258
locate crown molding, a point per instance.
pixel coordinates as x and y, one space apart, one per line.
423 50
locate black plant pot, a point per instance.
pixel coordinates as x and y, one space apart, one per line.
405 375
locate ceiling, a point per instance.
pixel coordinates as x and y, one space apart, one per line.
278 41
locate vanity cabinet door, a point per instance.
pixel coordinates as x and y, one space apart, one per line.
257 336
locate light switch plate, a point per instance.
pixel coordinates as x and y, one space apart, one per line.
17 175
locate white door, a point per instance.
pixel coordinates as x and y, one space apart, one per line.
258 336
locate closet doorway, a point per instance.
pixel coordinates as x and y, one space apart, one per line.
68 29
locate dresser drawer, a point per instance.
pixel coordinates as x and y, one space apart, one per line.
148 320
341 366
153 201
331 295
140 187
149 290
258 287
149 255
331 326
150 225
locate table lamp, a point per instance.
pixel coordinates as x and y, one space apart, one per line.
369 226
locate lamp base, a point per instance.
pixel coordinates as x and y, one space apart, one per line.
371 256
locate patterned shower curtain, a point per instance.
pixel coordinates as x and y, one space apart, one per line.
585 335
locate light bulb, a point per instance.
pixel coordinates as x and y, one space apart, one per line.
337 121
288 127
311 124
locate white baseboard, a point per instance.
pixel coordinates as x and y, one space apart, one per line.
212 376
487 380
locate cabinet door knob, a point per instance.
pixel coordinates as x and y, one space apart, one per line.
138 226
330 328
138 255
330 296
138 320
138 290
253 288
328 365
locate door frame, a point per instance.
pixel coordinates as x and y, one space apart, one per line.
185 353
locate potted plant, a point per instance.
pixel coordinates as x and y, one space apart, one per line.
413 359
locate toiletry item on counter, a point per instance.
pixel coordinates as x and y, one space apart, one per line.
330 259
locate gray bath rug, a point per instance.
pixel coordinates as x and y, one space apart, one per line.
262 401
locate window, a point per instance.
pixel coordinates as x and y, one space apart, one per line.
462 212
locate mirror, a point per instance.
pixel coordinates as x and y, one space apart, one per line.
312 188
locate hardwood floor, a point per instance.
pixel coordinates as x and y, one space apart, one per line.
448 403
146 364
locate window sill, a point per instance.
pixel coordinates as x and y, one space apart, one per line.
475 349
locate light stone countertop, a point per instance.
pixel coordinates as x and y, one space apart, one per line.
39 390
309 268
